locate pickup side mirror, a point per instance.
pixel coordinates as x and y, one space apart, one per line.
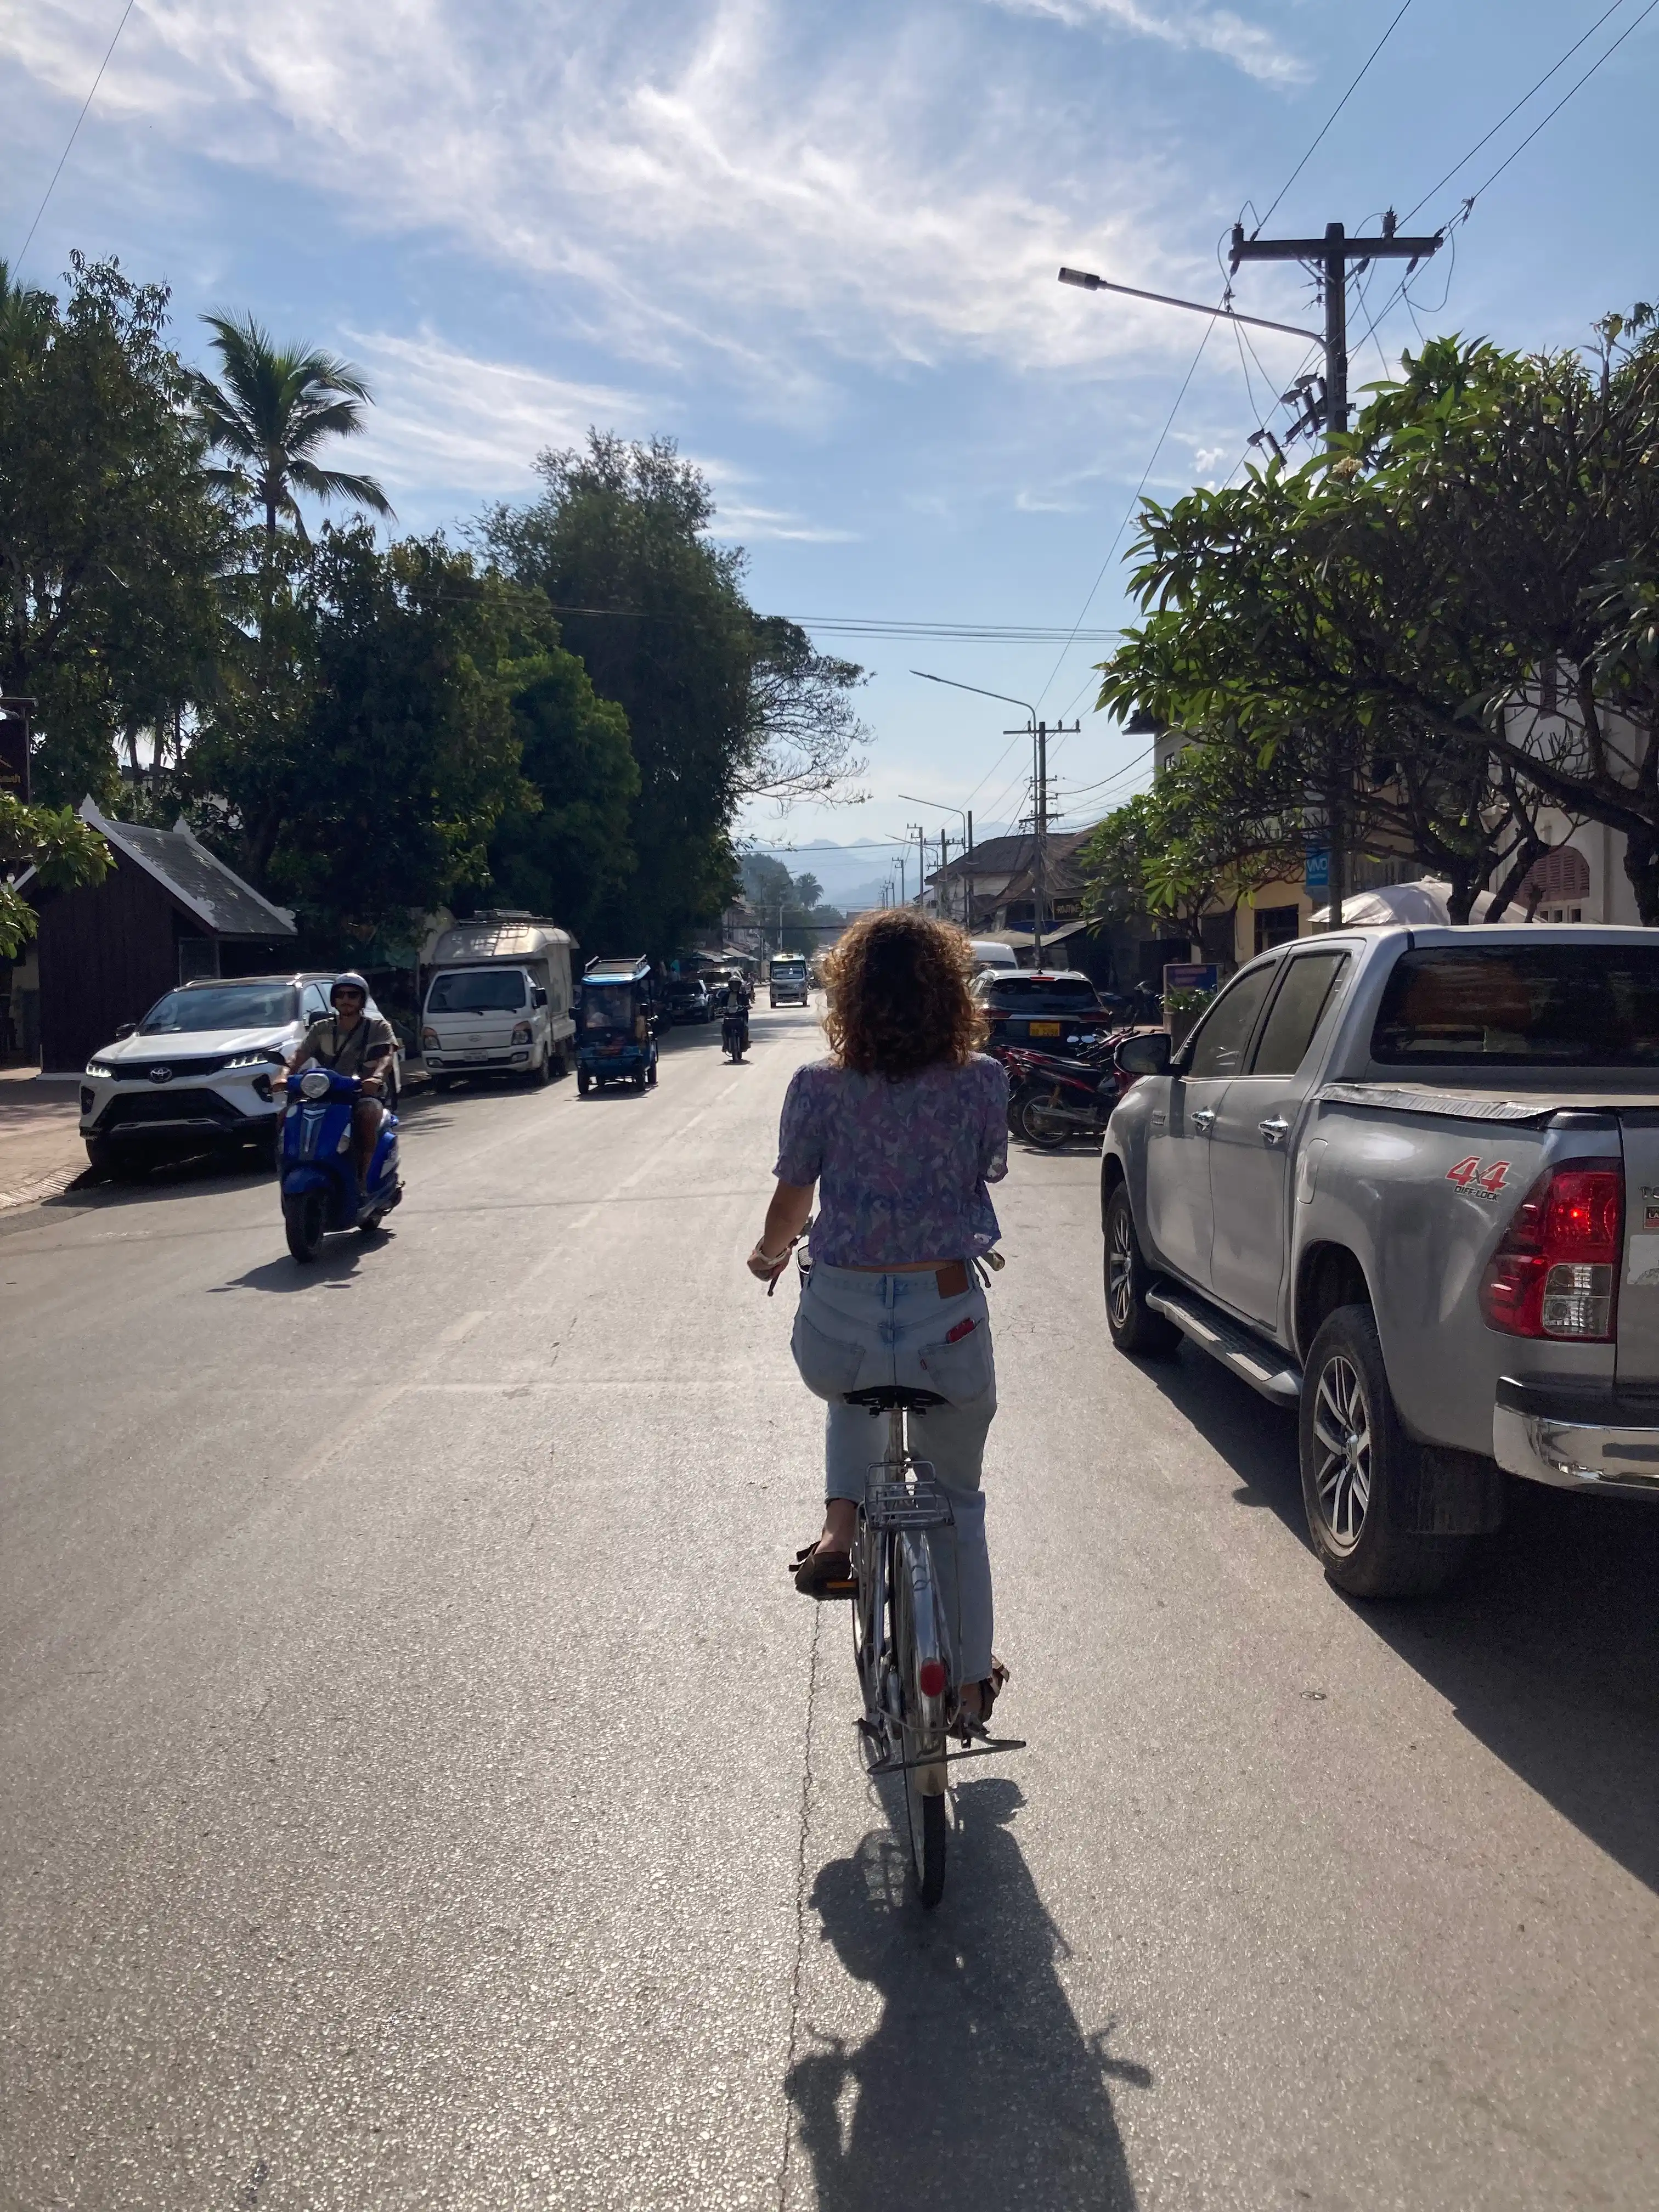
537 996
126 1029
1145 1055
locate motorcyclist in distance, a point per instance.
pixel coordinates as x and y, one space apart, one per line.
739 998
353 1042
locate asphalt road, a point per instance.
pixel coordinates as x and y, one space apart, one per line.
422 1786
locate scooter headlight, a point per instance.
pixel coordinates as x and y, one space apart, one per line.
314 1083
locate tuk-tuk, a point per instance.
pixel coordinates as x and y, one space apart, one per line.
616 1039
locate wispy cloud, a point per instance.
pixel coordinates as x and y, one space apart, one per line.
1204 30
733 184
445 419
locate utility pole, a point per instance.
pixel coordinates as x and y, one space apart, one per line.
1040 733
1332 255
921 868
968 880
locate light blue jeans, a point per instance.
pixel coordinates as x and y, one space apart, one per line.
855 1330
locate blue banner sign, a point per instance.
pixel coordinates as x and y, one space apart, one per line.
1317 875
1190 976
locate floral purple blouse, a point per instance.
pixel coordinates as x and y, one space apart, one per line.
901 1164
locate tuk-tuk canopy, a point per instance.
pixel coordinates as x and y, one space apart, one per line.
618 968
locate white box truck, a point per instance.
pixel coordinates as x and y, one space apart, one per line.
498 1000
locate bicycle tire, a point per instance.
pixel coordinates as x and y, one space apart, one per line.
924 1812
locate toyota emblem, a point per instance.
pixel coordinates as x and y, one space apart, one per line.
160 1074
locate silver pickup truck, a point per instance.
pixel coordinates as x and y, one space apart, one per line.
1406 1182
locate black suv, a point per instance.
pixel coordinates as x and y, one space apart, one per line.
1055 1009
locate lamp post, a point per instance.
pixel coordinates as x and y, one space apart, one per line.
1039 731
965 816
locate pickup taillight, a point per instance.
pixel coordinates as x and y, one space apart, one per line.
1556 1271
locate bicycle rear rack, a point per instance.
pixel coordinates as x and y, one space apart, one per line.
988 1749
906 1506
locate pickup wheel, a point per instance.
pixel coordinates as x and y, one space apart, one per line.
1135 1328
1358 1471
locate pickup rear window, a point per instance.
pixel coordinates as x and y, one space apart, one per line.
1546 1006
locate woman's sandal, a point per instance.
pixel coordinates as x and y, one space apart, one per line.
966 1724
823 1574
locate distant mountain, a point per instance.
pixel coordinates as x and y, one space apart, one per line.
856 874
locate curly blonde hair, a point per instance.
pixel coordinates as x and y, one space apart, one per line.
899 1000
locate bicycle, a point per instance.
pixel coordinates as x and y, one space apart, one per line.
902 1643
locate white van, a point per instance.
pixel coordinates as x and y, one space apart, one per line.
789 982
498 1002
990 953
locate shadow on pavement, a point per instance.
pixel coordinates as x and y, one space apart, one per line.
335 1265
977 2087
1546 1646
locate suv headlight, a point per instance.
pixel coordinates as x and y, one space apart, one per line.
264 1057
102 1069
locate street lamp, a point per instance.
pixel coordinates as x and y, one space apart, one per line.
965 816
1039 790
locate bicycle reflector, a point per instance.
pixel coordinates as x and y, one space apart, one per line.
930 1678
1556 1271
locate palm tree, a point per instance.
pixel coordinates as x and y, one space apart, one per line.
26 314
275 407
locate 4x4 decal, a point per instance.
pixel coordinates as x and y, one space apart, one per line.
1485 1182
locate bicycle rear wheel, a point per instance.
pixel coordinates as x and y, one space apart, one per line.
925 1828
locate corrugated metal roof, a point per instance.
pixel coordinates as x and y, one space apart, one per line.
213 894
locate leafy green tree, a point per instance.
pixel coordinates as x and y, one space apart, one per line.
273 410
1220 822
564 852
377 794
63 851
110 538
721 704
1384 620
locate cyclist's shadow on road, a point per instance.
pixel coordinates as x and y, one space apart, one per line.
977 2090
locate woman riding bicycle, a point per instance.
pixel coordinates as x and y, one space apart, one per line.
901 1129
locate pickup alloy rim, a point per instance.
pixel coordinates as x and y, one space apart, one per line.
1120 1268
1342 1430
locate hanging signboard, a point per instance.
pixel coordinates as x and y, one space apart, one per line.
1316 875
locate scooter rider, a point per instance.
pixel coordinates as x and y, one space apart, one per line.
353 1042
738 999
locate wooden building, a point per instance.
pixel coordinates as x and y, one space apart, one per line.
167 911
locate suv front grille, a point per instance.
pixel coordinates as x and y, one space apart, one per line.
167 1105
137 1070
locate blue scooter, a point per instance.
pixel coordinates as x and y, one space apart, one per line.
319 1186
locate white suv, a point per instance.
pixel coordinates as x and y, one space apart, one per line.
197 1072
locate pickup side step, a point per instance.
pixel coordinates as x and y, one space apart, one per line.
1263 1366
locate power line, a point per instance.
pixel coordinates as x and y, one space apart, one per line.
73 136
1561 103
1331 119
1520 103
1186 381
1128 513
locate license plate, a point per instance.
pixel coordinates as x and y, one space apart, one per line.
1043 1028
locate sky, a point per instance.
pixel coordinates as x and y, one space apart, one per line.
817 245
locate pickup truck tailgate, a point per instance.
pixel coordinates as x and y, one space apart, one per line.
1637 1353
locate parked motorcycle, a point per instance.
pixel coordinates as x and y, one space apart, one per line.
319 1186
1024 1064
1061 1098
735 1036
